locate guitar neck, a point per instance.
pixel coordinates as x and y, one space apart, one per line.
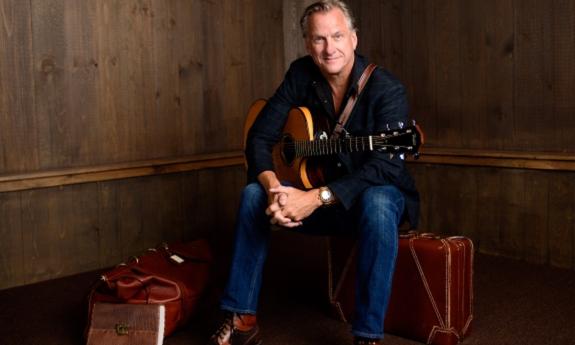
325 147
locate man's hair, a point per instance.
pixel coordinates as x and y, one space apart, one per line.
325 6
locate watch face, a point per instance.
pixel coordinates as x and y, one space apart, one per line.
325 195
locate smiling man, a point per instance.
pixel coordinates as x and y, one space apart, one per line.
366 195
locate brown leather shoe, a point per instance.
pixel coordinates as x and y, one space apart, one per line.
365 341
237 329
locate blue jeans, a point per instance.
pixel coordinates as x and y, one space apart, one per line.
373 220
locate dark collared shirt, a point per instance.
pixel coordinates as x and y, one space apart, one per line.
383 102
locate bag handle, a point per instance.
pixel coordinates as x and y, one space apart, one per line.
352 99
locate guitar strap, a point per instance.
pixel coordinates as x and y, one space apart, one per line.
352 99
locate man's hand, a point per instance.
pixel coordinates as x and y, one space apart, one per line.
274 210
293 205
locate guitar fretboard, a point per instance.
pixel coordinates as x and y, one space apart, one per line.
322 147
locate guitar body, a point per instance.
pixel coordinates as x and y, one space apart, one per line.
301 172
304 160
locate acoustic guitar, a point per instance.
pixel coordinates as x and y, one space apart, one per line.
297 157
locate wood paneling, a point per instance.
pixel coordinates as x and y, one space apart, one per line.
90 90
490 75
94 92
17 115
491 84
58 230
87 83
527 215
12 257
54 232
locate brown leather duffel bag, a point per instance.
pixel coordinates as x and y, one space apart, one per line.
174 275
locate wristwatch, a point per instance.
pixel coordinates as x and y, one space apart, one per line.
326 196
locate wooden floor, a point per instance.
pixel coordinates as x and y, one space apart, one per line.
516 303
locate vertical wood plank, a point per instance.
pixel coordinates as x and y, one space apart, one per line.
448 82
419 172
211 200
381 35
18 139
421 67
110 246
465 200
293 44
65 72
125 78
11 247
497 120
148 212
534 122
533 226
137 214
561 220
511 209
178 61
49 63
473 72
488 226
268 68
59 231
564 73
215 73
452 205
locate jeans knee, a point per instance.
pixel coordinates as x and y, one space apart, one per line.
381 210
383 201
253 196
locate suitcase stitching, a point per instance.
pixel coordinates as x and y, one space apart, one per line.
471 254
448 283
425 284
437 329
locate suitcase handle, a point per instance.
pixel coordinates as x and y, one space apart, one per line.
430 236
408 234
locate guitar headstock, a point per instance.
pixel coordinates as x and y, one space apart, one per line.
401 140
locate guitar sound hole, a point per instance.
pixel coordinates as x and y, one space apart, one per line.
288 149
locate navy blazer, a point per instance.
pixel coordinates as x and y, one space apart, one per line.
383 102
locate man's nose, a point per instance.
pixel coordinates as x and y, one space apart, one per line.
329 46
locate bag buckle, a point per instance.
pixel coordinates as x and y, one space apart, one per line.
122 328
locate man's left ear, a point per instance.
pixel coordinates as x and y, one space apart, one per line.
354 39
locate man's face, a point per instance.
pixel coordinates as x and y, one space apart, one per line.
331 43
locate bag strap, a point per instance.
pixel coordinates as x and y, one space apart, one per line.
352 99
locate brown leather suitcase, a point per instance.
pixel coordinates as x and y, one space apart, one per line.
432 293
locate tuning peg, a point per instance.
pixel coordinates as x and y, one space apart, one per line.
391 156
416 155
400 124
402 156
387 126
413 123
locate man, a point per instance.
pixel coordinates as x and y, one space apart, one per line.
367 194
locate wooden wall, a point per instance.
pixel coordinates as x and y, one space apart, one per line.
95 82
121 120
98 100
491 83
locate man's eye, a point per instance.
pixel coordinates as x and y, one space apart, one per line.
338 37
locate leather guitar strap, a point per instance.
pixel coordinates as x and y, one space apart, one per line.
352 99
